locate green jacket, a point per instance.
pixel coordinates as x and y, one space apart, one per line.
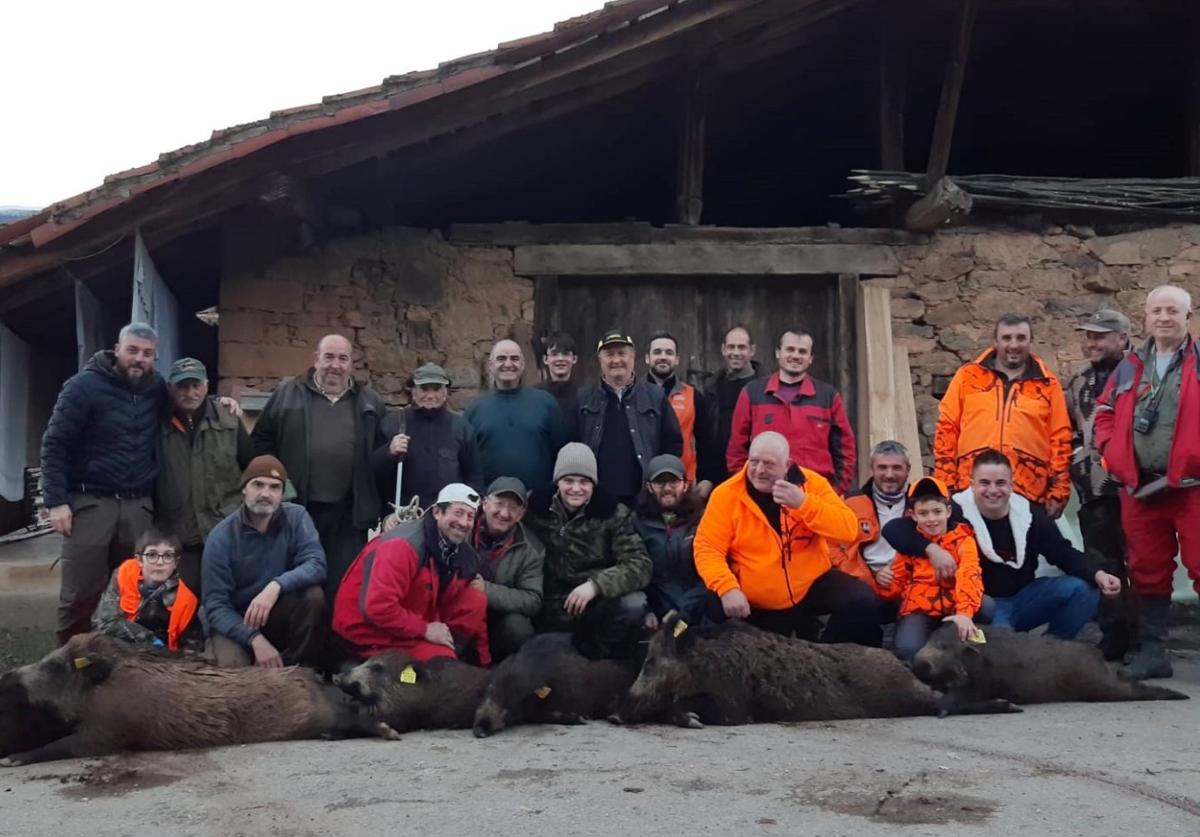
200 474
599 544
513 572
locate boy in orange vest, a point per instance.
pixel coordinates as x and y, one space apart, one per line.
146 603
925 600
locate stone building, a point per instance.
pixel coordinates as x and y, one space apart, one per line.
653 164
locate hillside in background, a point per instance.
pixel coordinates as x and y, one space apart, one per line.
8 214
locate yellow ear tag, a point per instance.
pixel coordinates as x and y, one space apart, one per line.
82 662
680 627
542 693
978 638
409 675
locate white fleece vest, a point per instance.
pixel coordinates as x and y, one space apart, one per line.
1020 518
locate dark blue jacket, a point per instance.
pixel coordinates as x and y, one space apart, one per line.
651 425
239 561
103 434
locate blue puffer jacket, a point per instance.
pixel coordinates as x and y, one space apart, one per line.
101 437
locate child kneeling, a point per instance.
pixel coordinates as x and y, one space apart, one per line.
924 599
146 603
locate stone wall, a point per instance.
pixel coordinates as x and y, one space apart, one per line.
950 292
403 297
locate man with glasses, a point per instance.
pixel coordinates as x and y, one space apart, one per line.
263 568
410 589
99 467
668 513
147 603
559 361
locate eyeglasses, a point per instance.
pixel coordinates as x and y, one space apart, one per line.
159 557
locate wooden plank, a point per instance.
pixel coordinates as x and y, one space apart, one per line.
845 349
876 373
907 429
517 233
704 259
689 194
947 115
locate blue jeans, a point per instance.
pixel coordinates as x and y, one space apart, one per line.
912 632
1064 603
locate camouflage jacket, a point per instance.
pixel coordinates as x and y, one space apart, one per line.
1087 474
599 544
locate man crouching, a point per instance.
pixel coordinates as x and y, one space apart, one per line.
410 589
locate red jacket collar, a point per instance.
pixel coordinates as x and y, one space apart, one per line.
807 388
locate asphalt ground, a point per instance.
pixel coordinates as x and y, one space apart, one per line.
1062 769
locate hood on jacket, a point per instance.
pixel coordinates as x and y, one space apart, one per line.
104 362
690 509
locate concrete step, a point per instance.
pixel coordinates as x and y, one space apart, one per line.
29 565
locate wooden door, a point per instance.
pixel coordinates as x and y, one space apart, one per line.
697 310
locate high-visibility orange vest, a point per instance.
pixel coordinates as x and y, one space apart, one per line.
128 576
683 402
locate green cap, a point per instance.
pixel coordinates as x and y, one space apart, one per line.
613 337
186 369
430 373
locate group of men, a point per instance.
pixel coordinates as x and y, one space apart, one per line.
594 509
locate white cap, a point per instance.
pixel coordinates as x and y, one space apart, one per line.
456 492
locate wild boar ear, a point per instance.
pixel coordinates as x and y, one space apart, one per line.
673 628
972 658
93 670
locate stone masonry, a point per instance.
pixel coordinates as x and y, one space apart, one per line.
405 297
950 292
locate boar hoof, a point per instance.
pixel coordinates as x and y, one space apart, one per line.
11 761
385 731
616 719
689 720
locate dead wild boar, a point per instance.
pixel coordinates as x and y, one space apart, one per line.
736 674
118 698
1024 668
25 725
408 694
548 681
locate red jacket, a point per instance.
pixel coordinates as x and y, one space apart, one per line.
393 591
815 425
1115 410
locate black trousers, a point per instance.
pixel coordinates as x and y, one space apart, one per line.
854 611
340 540
1104 546
296 627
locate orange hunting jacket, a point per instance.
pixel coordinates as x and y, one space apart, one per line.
735 546
182 612
916 583
1029 424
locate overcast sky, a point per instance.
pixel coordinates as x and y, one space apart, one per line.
92 88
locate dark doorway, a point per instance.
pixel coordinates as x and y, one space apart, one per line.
696 310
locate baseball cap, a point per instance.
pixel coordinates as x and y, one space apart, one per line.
613 337
1106 321
186 369
456 492
431 373
928 487
511 486
665 463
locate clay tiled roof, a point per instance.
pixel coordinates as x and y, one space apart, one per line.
393 93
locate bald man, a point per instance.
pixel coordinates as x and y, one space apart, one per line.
323 426
518 429
762 547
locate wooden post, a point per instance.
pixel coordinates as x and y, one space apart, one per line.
689 196
844 345
956 68
892 75
876 373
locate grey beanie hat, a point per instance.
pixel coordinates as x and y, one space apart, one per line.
575 460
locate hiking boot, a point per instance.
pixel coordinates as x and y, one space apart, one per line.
1150 659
